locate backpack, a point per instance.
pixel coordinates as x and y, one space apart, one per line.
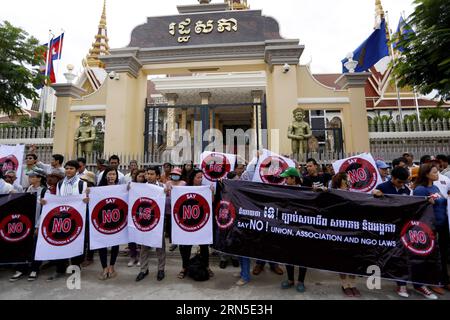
197 270
80 186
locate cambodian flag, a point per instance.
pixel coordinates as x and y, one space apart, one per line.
56 47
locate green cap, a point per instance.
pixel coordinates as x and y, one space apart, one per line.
290 172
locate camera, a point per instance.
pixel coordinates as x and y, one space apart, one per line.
113 75
286 68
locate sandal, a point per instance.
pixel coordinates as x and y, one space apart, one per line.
103 276
182 274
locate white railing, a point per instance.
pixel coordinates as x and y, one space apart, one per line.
28 136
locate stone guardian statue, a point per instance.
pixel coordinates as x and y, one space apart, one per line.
85 135
299 132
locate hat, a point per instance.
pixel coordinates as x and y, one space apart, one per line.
290 172
415 172
56 173
382 165
176 171
88 177
37 172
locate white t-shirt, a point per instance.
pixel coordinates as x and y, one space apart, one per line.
5 188
443 184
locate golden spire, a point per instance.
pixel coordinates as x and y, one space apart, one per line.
237 4
100 47
379 11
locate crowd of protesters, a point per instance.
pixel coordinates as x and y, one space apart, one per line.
429 178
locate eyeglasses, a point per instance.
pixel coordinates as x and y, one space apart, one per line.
30 158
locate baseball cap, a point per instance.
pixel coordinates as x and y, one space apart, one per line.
56 173
176 171
382 165
290 172
37 172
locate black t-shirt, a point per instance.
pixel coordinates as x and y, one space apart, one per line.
319 181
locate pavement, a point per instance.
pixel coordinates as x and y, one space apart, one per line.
320 285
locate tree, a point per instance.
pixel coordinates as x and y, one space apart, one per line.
425 60
20 59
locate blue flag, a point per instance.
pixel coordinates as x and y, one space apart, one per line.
370 51
402 33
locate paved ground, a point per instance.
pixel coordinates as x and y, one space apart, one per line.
319 285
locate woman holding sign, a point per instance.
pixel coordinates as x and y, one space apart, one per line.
109 178
428 174
195 180
341 182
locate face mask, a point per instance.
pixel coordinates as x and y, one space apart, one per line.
175 178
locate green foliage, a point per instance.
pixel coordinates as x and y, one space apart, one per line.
435 114
29 122
410 118
425 62
20 59
382 119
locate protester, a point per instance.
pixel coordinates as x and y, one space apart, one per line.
195 180
383 169
409 160
165 176
187 169
138 177
314 178
174 180
5 188
114 162
133 166
89 178
53 178
397 186
239 170
153 175
37 187
293 179
428 175
110 177
82 163
400 162
55 164
348 282
443 183
70 185
11 178
30 165
443 163
102 164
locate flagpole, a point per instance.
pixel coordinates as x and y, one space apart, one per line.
399 102
417 107
56 71
44 93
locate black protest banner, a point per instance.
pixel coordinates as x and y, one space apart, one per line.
337 231
17 219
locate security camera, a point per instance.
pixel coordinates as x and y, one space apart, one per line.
112 75
286 68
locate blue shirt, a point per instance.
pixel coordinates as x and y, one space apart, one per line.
440 205
389 188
